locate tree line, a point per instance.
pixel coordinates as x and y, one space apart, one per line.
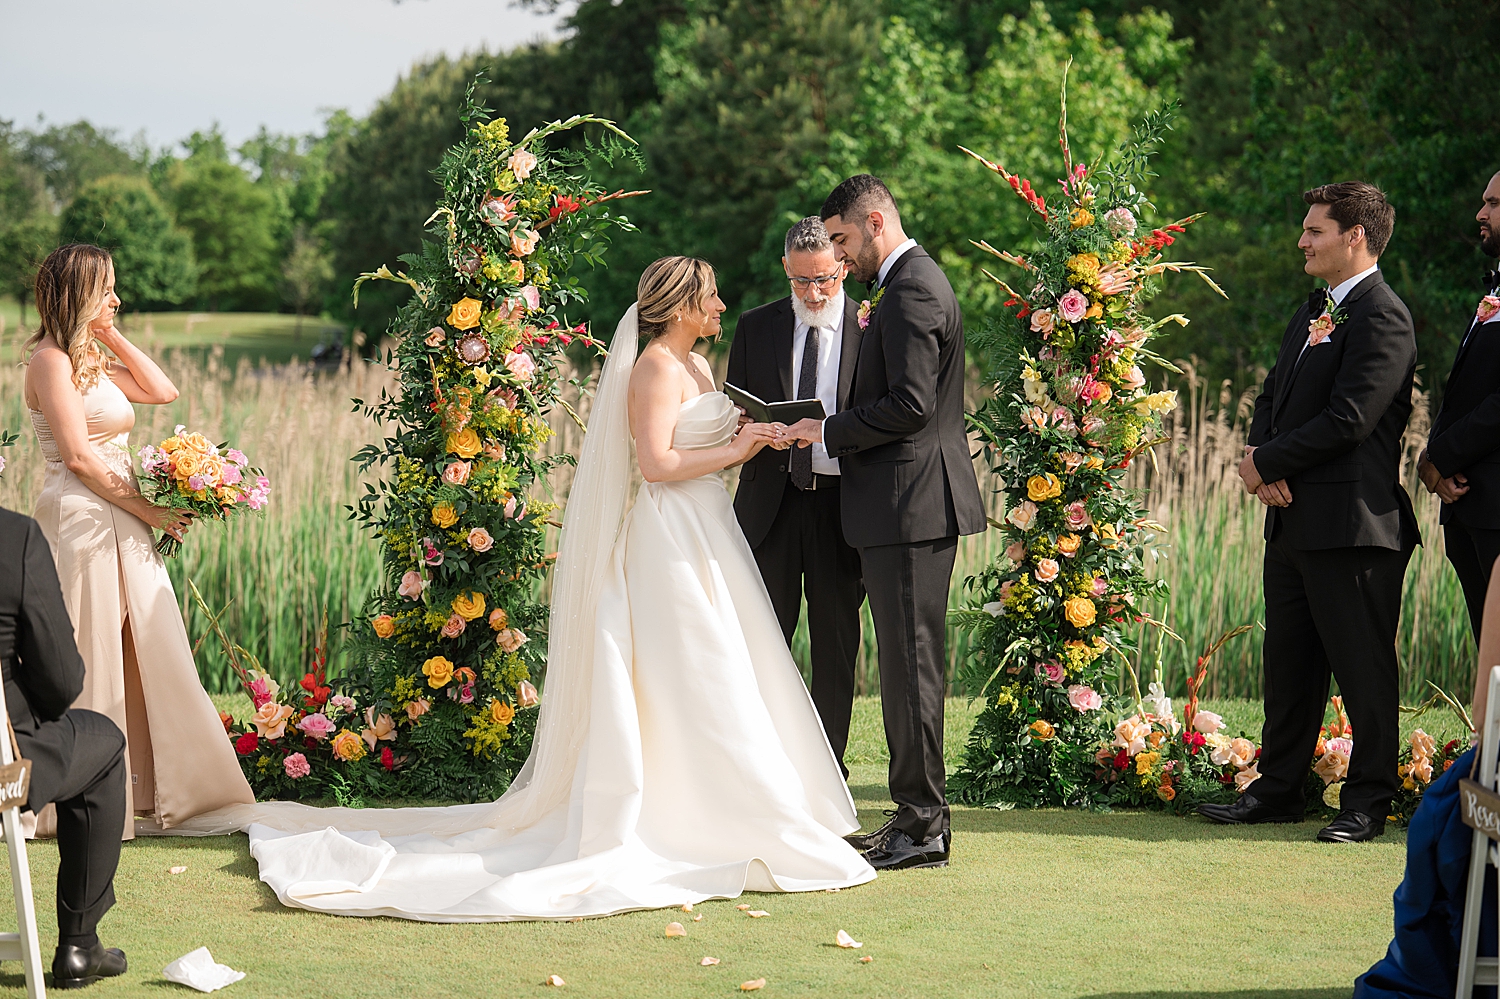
748 111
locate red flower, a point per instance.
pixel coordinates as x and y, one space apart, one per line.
1121 760
247 744
1194 741
1450 747
317 695
566 204
387 758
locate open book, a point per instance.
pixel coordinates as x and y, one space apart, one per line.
774 412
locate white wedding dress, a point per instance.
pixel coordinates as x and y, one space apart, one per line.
678 756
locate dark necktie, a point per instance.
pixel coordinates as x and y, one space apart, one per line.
807 388
1318 301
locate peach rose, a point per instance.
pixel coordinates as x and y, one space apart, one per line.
384 625
435 337
521 163
376 728
417 709
1042 321
1046 570
1246 777
1134 379
465 314
1016 552
1130 735
1068 544
480 540
454 626
521 366
511 639
499 620
526 695
411 585
1207 722
1023 516
1042 730
457 472
523 245
270 720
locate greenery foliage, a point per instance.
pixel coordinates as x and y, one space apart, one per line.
153 258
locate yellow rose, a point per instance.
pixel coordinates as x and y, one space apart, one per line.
1040 488
1108 536
465 443
1080 218
187 465
469 605
438 671
465 314
1079 611
348 746
1068 544
384 625
197 442
1041 730
501 713
444 516
171 444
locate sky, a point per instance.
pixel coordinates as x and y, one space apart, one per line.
170 67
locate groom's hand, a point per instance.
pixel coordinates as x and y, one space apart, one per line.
805 432
1248 472
744 419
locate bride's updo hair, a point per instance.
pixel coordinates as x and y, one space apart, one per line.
69 294
668 286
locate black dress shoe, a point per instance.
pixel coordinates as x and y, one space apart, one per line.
1248 811
1351 827
899 851
74 967
867 841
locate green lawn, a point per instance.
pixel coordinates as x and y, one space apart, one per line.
254 336
1036 904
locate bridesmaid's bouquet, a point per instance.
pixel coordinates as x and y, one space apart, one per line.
188 472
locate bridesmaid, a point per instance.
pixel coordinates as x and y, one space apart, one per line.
114 583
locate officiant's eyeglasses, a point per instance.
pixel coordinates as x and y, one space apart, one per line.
824 283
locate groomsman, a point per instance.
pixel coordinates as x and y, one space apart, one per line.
1323 456
1462 460
803 346
909 492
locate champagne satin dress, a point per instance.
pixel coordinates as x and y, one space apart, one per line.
121 600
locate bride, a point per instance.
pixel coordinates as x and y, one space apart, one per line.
678 756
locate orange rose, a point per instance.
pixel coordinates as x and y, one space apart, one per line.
1068 545
348 747
499 620
501 713
438 671
1079 611
186 465
1166 792
384 625
465 443
469 605
1042 730
464 314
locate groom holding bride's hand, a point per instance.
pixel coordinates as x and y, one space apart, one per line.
908 493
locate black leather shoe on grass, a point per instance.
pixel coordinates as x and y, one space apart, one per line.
75 967
1248 811
1351 827
866 841
899 851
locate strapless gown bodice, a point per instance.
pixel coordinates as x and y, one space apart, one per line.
705 421
110 418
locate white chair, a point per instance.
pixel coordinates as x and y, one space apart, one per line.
20 946
1472 969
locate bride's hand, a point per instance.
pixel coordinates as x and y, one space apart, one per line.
751 438
171 520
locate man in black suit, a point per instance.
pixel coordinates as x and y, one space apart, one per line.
909 492
77 757
1323 455
1462 460
803 347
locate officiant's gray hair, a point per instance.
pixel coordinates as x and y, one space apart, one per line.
808 236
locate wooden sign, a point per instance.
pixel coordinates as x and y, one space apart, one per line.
15 784
1480 808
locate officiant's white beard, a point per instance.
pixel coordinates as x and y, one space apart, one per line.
823 315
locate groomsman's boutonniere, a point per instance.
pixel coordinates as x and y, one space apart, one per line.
868 306
1322 328
1489 305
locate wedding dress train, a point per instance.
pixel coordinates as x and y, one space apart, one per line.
678 756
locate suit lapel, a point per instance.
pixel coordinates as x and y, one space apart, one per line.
781 344
848 349
1291 363
1355 294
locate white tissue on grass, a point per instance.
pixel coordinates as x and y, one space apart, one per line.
198 971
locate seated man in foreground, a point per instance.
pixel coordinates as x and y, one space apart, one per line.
77 757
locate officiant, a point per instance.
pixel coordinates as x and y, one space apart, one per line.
803 346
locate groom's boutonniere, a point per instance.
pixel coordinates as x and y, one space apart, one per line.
1322 328
868 306
1489 305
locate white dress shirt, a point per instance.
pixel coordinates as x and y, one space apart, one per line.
890 261
830 344
1338 292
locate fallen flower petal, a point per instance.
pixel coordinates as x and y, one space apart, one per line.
866 959
676 930
742 908
687 907
698 918
554 980
176 870
708 962
757 913
753 986
845 940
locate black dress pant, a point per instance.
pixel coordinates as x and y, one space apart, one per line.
1473 552
90 797
908 587
805 550
1331 613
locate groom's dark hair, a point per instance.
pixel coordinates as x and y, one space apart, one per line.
857 197
1353 202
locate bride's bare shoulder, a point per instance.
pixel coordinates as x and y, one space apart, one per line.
654 368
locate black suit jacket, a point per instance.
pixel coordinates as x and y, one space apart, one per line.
1331 426
760 361
43 672
902 444
1465 436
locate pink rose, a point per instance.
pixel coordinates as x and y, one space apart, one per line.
431 553
1134 379
411 585
1016 552
480 540
1100 587
454 627
1076 515
1084 698
316 725
1046 570
1074 305
296 766
1320 329
1207 722
466 694
521 365
510 507
457 473
1042 321
1489 305
342 701
521 163
1093 426
1051 672
531 297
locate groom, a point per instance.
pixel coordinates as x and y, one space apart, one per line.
908 493
1324 456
